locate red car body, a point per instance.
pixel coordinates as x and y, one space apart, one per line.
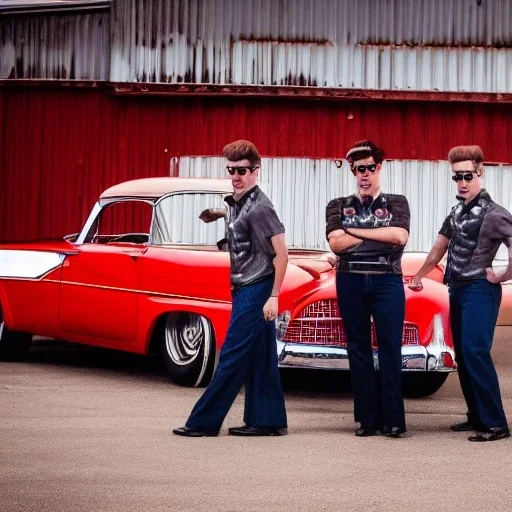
146 291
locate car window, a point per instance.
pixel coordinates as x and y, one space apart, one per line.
177 219
122 221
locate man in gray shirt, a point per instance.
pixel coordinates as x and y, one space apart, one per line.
259 256
472 234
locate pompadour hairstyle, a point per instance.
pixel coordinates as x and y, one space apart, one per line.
463 153
242 150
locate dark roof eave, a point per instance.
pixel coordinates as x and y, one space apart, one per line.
291 92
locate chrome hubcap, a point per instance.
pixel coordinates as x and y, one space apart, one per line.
185 334
1 329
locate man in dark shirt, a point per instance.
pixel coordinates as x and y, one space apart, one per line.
472 234
368 231
258 253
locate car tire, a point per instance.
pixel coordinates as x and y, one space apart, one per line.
421 385
188 349
14 346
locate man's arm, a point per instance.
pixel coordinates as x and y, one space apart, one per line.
433 258
390 235
340 241
212 214
504 275
280 263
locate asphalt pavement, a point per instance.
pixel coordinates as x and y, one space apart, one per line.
85 429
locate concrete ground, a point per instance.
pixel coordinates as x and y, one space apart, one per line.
84 429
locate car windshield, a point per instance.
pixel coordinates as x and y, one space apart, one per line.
176 219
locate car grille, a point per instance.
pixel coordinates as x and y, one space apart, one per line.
320 324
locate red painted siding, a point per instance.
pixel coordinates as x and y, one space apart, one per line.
60 148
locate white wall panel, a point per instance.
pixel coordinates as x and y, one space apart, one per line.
300 189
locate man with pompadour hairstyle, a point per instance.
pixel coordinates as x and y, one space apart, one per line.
472 234
259 256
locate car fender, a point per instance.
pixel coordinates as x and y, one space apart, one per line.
152 309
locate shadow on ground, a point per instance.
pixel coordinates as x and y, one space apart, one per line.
72 355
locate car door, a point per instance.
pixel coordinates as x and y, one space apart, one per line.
100 282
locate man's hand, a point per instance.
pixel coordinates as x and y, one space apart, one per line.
270 309
497 277
331 258
340 241
416 284
211 214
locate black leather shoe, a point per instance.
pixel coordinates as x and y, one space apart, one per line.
465 426
367 432
492 434
394 432
256 431
190 432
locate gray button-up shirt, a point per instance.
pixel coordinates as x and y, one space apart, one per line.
251 223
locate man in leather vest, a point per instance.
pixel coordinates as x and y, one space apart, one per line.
259 256
472 234
368 230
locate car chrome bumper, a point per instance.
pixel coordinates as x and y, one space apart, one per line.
414 358
437 356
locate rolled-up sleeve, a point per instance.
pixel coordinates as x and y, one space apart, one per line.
265 223
446 229
401 213
504 227
333 216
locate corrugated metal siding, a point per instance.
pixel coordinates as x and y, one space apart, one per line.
445 45
51 172
371 66
55 46
300 189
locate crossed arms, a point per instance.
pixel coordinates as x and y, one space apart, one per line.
341 240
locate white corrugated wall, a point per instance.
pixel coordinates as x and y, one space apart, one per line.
443 45
300 189
56 46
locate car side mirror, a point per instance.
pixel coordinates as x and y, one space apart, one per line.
72 237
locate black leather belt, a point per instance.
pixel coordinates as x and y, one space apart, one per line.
380 264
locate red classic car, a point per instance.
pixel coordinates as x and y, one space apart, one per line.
145 275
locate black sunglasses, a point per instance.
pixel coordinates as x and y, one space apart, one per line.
463 175
240 170
363 168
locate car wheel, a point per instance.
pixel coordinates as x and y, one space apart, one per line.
14 346
420 385
188 349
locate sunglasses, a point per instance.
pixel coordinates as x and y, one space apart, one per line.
240 170
463 175
363 168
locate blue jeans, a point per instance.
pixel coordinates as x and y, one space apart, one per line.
248 356
473 313
378 398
